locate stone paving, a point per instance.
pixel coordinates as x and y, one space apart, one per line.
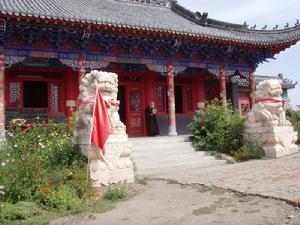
277 178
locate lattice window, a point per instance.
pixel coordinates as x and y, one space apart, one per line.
55 97
212 91
161 97
2 25
135 101
14 94
245 108
189 99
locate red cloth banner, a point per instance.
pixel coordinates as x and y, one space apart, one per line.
101 123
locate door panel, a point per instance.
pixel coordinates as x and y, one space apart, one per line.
244 103
135 111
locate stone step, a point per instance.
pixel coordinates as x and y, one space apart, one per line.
160 139
168 154
172 161
163 147
150 171
163 154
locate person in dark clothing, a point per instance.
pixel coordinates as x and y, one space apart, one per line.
151 120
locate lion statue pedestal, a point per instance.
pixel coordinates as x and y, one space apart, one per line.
116 166
267 121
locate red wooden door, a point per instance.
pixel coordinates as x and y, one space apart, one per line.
244 103
135 111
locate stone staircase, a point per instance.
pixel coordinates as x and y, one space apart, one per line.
160 155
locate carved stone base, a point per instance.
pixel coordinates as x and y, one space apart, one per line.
116 166
277 141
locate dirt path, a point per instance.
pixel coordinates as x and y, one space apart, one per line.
172 204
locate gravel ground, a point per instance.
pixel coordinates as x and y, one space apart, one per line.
168 203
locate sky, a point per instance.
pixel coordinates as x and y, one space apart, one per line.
261 13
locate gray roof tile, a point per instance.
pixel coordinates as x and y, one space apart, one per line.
176 19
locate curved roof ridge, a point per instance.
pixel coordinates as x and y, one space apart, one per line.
175 19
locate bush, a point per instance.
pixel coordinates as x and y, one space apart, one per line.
251 149
219 129
294 117
115 193
19 211
39 164
66 198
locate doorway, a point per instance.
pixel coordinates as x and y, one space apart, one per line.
35 94
122 107
178 99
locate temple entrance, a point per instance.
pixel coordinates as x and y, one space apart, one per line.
35 94
178 99
122 99
135 111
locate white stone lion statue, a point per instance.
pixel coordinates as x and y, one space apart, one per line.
269 106
116 166
267 121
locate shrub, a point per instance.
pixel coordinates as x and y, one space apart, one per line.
115 193
65 198
19 211
251 149
294 117
219 129
39 162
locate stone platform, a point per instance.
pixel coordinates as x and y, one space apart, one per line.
276 178
278 141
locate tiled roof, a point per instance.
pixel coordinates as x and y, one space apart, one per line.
138 14
244 82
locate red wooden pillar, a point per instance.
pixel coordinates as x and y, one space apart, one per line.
171 100
70 91
150 88
200 94
2 98
81 67
252 87
223 95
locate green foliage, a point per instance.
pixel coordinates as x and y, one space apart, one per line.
39 162
251 149
294 117
19 211
172 181
219 129
65 198
115 193
45 176
217 155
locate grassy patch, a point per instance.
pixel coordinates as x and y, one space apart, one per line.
115 194
172 181
29 213
204 211
204 188
217 155
240 194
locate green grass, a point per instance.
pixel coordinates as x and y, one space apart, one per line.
28 213
115 194
172 181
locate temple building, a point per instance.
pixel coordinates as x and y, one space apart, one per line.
162 52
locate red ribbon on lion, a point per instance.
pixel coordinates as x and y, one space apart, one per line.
101 123
270 100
